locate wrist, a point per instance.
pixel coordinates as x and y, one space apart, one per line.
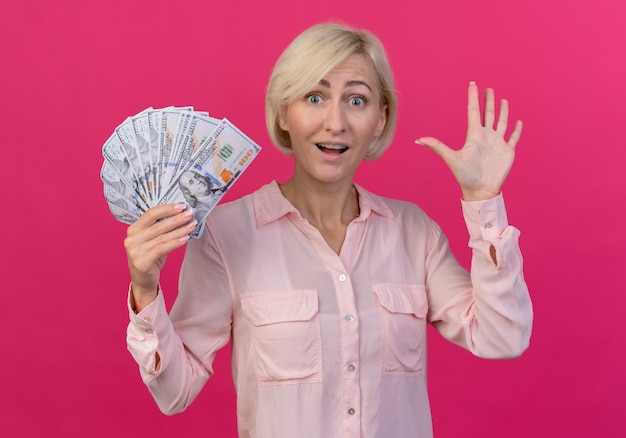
140 298
478 195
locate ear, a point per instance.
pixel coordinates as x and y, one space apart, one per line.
282 119
283 124
382 122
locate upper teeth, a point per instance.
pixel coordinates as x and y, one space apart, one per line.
332 146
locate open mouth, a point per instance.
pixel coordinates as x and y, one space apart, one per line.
332 148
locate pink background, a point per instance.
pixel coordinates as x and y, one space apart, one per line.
71 71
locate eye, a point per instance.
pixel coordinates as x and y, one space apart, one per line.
314 98
357 101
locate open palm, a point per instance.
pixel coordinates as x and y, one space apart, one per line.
485 160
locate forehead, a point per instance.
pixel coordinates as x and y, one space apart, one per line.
355 70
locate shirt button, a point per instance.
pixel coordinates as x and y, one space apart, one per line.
351 411
342 277
148 331
351 368
349 318
488 226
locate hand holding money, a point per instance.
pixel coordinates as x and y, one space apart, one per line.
159 231
170 156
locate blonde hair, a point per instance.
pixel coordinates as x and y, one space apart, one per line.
308 58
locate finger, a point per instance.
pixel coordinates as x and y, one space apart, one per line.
490 108
473 106
437 146
516 134
172 220
165 243
158 220
142 239
155 214
143 253
503 117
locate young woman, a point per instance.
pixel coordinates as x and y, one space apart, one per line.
323 288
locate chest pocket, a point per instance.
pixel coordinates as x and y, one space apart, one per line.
286 340
403 310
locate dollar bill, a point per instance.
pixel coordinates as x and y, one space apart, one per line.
170 120
216 166
172 155
120 206
112 178
154 124
114 154
141 130
199 129
125 134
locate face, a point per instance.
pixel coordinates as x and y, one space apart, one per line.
332 126
193 184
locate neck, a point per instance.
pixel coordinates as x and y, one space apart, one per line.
323 205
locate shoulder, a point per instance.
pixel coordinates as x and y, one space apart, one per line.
245 212
403 207
227 211
399 209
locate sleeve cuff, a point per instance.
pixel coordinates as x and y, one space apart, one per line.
147 333
149 315
485 220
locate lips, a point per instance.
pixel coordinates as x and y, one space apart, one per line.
333 148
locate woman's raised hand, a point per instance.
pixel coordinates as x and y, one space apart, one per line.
485 160
159 231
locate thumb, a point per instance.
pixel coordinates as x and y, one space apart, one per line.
437 146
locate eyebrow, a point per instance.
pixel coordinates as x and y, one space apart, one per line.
325 83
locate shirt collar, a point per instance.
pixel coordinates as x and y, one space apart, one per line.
270 204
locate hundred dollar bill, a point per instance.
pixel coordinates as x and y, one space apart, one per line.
112 178
170 123
141 129
135 150
199 130
184 124
224 155
183 129
155 126
165 166
154 123
120 206
114 154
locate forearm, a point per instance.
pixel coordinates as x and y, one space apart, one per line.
172 374
500 321
490 313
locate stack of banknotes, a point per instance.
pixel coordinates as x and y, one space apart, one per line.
172 155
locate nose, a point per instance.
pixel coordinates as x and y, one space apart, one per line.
335 118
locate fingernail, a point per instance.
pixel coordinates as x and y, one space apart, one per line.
181 206
472 82
419 142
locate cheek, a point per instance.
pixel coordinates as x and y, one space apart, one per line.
299 120
371 128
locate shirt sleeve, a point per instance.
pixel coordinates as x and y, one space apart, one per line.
488 310
141 334
187 339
